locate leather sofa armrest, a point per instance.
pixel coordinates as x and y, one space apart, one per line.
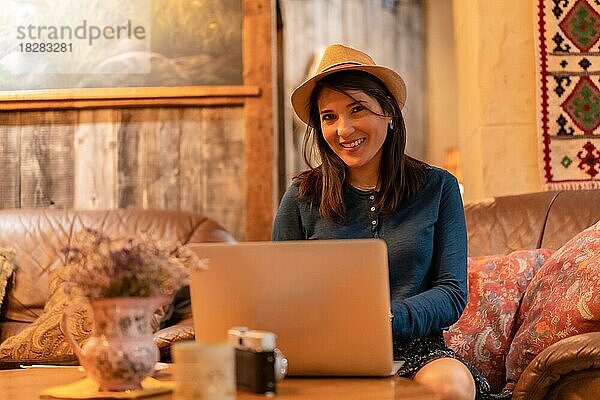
570 355
164 338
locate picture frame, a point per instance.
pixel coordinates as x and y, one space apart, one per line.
193 55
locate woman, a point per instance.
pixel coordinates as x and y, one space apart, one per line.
366 187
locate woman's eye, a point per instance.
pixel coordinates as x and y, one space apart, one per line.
357 108
327 117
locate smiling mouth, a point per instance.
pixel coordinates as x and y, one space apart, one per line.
352 144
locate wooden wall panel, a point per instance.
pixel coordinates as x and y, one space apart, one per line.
212 173
10 160
161 159
224 164
47 160
95 159
190 159
129 188
193 180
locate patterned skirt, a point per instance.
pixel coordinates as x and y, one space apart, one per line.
417 352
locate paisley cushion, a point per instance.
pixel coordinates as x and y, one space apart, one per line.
485 330
43 341
6 269
562 300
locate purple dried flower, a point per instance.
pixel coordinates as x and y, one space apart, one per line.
102 267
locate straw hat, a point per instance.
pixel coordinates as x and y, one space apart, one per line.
337 58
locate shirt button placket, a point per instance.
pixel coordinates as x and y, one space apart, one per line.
374 218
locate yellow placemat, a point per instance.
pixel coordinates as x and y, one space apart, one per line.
88 389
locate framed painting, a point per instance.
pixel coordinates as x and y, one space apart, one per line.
71 53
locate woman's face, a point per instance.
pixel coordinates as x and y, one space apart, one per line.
353 129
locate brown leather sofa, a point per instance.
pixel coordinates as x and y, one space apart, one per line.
38 235
569 369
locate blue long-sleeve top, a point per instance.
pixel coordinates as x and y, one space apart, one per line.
426 240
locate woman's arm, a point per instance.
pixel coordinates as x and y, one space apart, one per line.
288 221
442 304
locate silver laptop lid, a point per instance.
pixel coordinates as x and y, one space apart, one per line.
327 301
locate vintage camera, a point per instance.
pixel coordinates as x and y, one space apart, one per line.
258 363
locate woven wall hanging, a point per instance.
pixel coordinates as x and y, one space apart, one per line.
568 95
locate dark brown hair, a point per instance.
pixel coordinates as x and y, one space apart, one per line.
400 176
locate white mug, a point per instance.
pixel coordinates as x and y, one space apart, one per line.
203 371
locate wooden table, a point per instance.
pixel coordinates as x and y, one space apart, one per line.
26 384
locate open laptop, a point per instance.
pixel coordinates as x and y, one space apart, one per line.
327 301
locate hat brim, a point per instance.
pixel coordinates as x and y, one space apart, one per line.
301 95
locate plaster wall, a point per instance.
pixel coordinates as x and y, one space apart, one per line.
441 113
496 97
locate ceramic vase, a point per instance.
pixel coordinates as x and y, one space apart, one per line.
121 352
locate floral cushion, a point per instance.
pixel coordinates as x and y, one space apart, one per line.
485 330
562 300
6 269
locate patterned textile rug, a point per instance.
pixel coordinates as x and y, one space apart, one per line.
568 94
